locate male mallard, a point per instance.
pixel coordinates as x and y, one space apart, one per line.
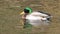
37 18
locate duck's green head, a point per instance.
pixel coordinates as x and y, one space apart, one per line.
28 10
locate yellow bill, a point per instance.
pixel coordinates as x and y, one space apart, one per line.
21 13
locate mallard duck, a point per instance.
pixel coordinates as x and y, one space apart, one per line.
37 18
